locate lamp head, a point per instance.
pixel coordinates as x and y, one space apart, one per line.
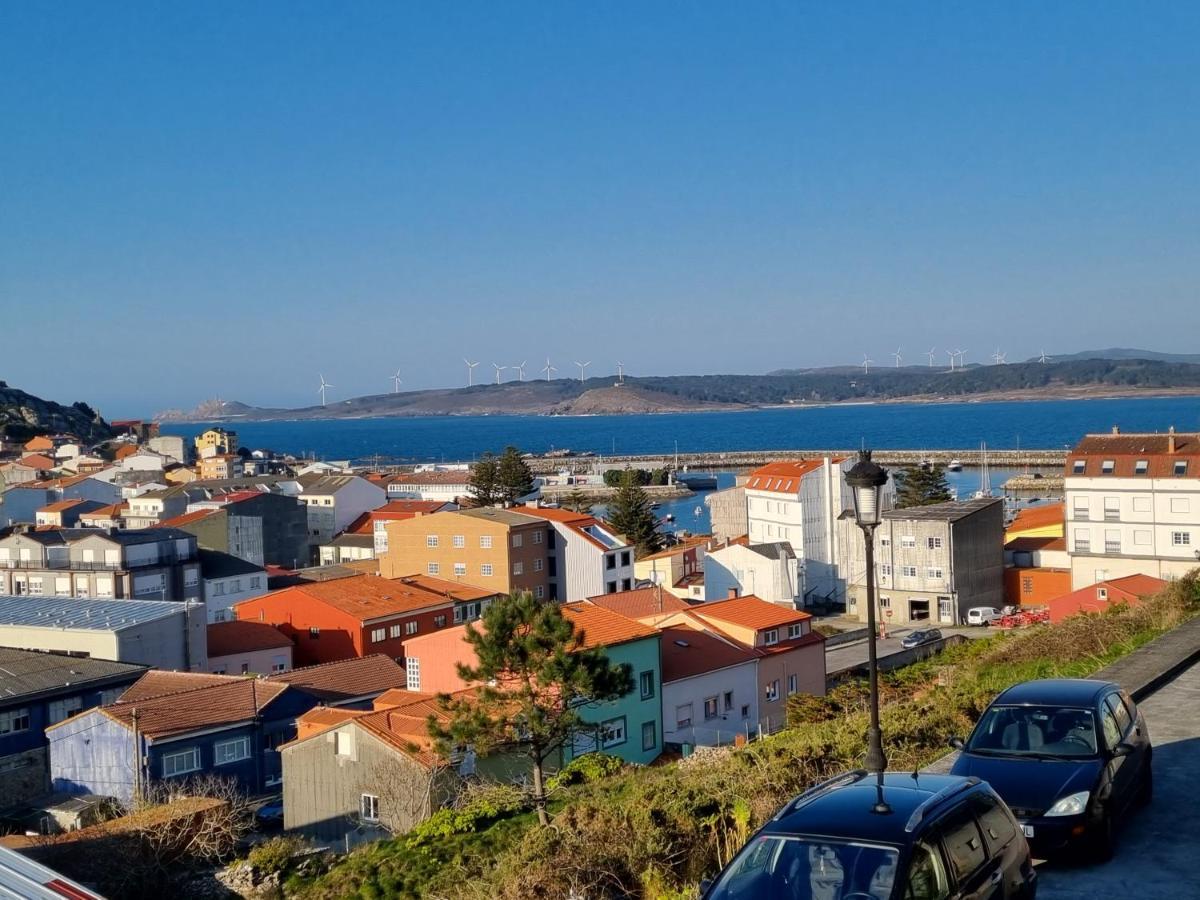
866 480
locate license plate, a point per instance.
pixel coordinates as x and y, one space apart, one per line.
1028 830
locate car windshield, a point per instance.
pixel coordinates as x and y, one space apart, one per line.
794 868
1039 731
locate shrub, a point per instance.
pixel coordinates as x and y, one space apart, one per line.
585 769
276 854
479 806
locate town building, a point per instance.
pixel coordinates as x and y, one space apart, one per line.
152 507
678 569
1037 569
216 440
349 683
445 486
374 522
174 447
1104 595
499 550
138 429
107 516
16 472
247 648
629 727
38 689
347 547
1133 506
219 466
933 563
65 513
152 564
585 556
334 501
262 526
727 513
770 571
228 580
20 503
709 688
362 614
160 633
1047 520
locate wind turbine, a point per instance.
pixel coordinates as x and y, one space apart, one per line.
962 358
470 371
396 382
583 369
324 384
866 364
498 369
899 358
1044 358
999 358
930 353
951 354
620 373
549 368
521 370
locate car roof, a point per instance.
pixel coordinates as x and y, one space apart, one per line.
843 807
1055 691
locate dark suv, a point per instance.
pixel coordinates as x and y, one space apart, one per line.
1070 756
884 837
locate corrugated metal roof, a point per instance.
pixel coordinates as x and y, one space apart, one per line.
24 673
78 613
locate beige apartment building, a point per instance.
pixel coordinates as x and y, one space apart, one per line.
496 549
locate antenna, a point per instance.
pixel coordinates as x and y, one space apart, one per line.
396 382
930 353
899 358
866 364
521 370
470 371
321 390
583 369
549 368
498 369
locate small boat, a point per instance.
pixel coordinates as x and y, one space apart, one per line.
698 511
955 465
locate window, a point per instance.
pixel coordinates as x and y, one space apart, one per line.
793 684
314 633
368 808
485 542
885 569
908 540
1083 540
712 708
537 537
431 540
410 627
646 682
65 708
1112 508
885 541
649 735
1120 712
14 720
460 568
278 663
1106 467
1079 466
964 845
459 540
255 582
927 875
1180 538
412 669
539 592
771 637
772 692
885 602
378 634
485 569
1108 724
1112 540
908 571
610 561
612 732
624 557
1142 537
1026 585
518 541
745 710
934 543
610 587
439 621
1141 467
233 751
1081 508
795 630
181 763
683 716
1180 468
518 568
394 631
1180 505
433 568
728 701
935 574
537 565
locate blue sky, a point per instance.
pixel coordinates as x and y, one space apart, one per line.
226 199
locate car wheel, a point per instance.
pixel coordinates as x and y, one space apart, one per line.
1104 840
1146 789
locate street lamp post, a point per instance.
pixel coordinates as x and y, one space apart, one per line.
866 481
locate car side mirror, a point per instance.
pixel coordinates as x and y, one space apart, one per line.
1122 749
956 743
705 884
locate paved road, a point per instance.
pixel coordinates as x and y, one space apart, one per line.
855 654
1158 854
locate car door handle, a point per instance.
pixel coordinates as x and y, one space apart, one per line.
997 877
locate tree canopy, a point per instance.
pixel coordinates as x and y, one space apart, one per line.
534 677
921 486
630 513
500 479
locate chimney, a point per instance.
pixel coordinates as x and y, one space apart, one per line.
1171 439
1116 429
733 592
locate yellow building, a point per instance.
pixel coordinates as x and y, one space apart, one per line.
219 439
1038 522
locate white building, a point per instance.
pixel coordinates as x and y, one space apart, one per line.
799 502
769 571
709 688
227 580
446 486
334 501
247 648
585 557
1133 506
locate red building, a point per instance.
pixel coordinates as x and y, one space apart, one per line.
362 615
1132 589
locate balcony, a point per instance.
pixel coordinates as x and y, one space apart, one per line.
1112 515
1112 547
1083 546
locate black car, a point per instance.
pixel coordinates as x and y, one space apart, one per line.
884 837
1071 757
919 637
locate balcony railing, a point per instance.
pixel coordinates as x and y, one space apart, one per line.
69 565
1083 546
1112 546
1112 515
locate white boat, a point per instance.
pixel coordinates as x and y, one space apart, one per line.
955 465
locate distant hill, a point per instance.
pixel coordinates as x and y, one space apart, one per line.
599 396
1124 353
23 416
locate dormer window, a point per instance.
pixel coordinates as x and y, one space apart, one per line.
771 637
1180 467
1141 466
1080 466
1106 467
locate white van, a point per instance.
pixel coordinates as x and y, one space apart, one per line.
982 615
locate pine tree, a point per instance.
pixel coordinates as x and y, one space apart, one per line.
483 483
631 515
577 501
513 476
921 486
530 661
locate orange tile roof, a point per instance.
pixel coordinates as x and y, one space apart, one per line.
322 718
188 518
689 651
223 703
682 547
369 596
398 697
112 511
347 678
604 628
750 611
36 461
452 589
393 511
1039 517
157 683
1125 450
554 514
784 477
237 636
61 506
641 603
126 450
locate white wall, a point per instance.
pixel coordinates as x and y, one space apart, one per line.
258 662
741 679
222 593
